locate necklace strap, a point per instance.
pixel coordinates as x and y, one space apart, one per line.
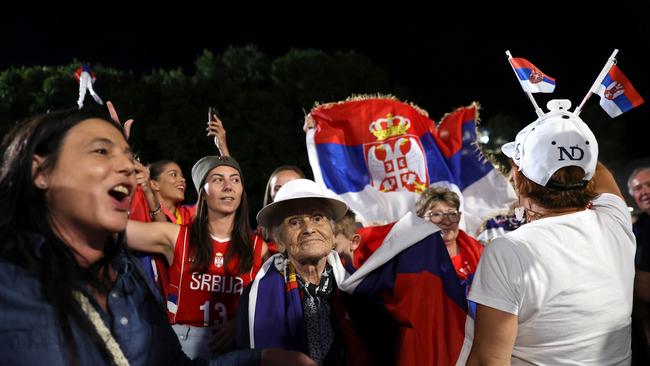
111 344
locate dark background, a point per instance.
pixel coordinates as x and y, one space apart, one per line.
441 55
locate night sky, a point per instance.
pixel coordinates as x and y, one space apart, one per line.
446 55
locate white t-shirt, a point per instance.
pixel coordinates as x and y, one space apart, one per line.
569 280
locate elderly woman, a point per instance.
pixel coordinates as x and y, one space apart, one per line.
441 206
294 302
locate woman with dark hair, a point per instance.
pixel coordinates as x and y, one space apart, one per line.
159 197
168 184
279 177
211 261
65 186
70 294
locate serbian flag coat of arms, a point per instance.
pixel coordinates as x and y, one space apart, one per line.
617 95
379 154
532 78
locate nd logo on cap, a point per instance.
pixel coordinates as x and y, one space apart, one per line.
576 153
555 140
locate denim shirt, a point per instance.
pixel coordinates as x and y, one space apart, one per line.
30 335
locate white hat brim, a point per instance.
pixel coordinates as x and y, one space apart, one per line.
509 149
338 207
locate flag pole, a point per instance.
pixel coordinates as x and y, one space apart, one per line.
611 61
525 87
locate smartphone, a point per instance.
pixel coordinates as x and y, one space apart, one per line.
211 113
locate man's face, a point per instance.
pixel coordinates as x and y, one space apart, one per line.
306 230
640 190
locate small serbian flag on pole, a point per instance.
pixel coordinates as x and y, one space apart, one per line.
531 77
617 95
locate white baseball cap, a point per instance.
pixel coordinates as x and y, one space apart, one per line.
555 140
300 189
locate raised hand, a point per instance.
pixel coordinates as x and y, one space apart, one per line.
309 123
126 126
222 339
142 176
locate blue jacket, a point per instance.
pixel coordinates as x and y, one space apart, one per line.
29 334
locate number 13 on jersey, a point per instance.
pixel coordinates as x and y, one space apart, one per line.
219 313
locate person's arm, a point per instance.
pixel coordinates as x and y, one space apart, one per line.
153 205
494 337
153 237
642 286
605 182
265 252
262 357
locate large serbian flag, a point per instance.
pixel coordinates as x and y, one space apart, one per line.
379 155
617 95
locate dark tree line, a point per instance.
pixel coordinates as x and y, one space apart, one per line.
261 101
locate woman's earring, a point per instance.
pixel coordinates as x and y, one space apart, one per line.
519 213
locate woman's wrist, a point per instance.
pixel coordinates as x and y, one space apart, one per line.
155 212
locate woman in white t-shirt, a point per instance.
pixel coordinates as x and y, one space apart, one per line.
558 290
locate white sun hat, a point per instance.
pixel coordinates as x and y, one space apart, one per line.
298 189
555 140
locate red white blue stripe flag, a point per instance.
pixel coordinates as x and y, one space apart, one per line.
617 95
532 78
379 154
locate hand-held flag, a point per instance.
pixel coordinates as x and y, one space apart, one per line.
379 154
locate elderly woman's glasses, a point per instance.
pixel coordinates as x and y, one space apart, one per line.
437 217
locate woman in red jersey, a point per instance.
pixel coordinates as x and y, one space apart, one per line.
168 184
211 260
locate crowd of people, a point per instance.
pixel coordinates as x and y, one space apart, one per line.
103 261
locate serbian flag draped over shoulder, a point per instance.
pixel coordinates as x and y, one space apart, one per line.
379 154
411 273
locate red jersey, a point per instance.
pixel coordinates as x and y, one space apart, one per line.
156 264
210 298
